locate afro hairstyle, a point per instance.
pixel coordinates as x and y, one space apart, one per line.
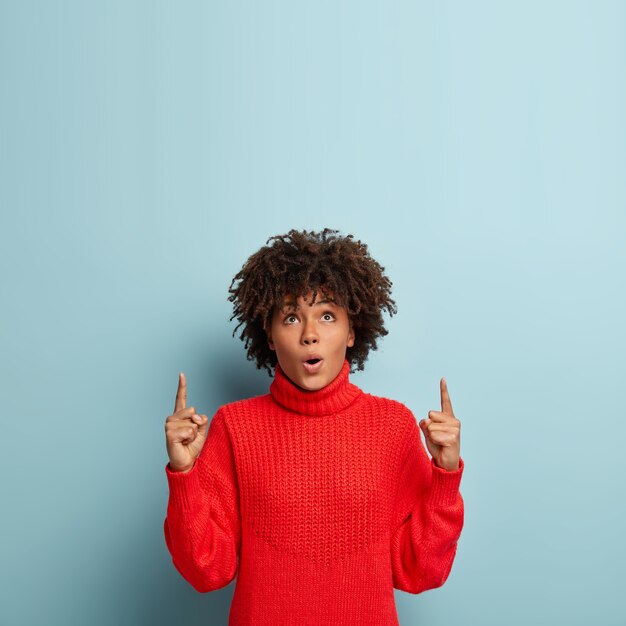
304 261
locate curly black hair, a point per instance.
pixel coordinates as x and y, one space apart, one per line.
303 261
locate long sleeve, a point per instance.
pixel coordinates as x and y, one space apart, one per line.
202 526
428 520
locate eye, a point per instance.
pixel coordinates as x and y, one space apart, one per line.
329 313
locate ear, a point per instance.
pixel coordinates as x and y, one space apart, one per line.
270 343
351 336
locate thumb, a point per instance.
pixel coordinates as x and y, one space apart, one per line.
196 446
201 420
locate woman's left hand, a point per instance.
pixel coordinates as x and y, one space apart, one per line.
443 433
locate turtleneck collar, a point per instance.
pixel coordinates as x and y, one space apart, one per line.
336 396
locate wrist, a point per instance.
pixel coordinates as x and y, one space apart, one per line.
181 470
444 467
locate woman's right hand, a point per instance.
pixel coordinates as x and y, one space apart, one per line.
185 431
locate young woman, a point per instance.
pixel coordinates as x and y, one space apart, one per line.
319 497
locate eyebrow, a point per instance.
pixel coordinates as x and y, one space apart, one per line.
292 305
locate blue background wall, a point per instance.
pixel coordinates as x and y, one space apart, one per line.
147 149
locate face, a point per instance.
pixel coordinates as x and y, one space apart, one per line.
299 332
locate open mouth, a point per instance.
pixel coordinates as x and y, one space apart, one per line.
312 365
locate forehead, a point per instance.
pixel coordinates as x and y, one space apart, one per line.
289 300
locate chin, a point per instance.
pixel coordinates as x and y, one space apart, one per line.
313 384
310 386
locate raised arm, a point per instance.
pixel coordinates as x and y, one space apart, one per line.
428 519
202 526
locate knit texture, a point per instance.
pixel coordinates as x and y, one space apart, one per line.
320 503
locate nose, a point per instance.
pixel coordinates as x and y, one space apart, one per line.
309 336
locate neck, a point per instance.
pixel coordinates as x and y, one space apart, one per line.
334 397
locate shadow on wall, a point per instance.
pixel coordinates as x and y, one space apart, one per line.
162 596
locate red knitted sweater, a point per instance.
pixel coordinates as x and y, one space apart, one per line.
320 502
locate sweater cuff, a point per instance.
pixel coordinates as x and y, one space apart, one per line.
445 484
185 489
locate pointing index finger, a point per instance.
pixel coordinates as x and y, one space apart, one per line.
181 394
446 405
